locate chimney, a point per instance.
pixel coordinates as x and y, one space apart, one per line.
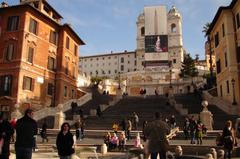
125 50
111 52
4 4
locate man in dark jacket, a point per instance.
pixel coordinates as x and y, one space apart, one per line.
156 132
6 131
26 128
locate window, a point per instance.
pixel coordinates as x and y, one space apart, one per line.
174 61
122 67
96 72
221 90
226 60
53 37
103 72
50 89
12 23
73 72
72 94
216 39
5 85
122 60
142 31
30 55
65 91
109 71
238 20
109 57
28 83
9 52
218 66
51 63
135 62
173 28
128 62
238 54
223 30
115 71
33 26
67 42
66 65
75 50
227 84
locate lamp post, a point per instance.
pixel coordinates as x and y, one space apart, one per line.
210 62
233 89
170 78
119 86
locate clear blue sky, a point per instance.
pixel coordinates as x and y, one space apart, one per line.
110 25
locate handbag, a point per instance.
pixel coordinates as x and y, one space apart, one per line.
72 151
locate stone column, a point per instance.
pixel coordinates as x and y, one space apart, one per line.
16 113
206 116
59 117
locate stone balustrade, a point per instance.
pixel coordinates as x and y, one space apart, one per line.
51 111
221 104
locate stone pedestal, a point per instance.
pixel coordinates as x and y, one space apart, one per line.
16 113
206 116
119 93
104 149
59 117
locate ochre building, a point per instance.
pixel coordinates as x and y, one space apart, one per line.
38 57
224 35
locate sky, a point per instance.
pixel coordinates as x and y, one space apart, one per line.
110 25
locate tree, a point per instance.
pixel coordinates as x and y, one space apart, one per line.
188 67
205 28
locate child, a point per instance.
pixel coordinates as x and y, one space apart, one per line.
137 141
114 141
122 141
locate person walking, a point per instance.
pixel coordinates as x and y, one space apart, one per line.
136 120
26 129
6 132
65 142
129 128
156 132
43 132
228 139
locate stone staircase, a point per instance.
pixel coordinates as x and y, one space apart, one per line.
144 107
192 102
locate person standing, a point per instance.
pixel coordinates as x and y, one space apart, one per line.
192 128
26 129
199 132
228 139
156 132
78 129
65 142
6 132
186 128
43 132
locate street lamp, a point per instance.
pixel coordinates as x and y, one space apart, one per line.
210 62
233 89
119 87
170 78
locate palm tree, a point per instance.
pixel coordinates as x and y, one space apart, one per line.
205 28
